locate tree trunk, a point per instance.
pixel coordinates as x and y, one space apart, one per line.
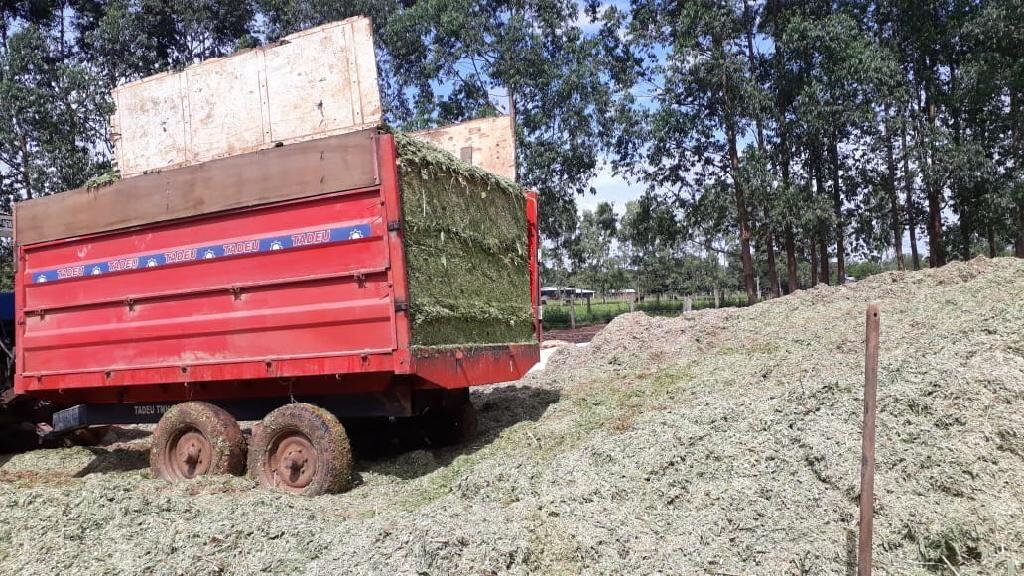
1018 246
812 246
793 280
936 250
823 272
908 187
963 196
773 274
26 168
572 313
991 241
894 201
741 200
965 233
781 104
837 204
915 254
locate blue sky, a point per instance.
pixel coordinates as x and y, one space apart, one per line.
612 188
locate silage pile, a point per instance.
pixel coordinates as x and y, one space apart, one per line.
724 442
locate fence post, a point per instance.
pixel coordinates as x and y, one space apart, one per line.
572 313
867 462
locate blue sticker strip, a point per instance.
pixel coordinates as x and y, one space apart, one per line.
180 255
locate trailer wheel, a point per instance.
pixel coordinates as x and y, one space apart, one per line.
302 449
196 438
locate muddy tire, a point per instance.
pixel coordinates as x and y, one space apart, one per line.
452 424
194 439
301 449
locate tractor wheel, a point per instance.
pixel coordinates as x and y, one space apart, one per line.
196 438
301 449
453 423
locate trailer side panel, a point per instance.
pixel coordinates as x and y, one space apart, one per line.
299 280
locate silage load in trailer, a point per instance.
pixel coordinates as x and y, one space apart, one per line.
466 251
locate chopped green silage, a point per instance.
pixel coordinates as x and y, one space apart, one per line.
103 179
465 248
717 442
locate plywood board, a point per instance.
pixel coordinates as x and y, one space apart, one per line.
220 125
488 143
333 164
150 127
312 84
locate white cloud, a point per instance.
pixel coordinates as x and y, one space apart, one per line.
610 187
583 19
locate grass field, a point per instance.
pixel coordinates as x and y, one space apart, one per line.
557 313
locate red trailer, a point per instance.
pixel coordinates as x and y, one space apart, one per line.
271 285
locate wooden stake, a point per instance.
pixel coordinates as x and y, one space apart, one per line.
572 312
867 462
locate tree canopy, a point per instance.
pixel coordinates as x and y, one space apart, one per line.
774 143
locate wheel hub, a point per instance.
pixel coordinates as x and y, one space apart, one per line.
190 455
292 462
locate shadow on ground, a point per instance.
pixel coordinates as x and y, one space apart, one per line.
57 465
116 460
401 449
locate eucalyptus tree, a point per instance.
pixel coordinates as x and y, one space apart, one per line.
993 83
705 106
125 40
648 233
52 121
922 33
595 236
783 82
848 75
823 127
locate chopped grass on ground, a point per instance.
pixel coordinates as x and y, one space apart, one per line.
723 441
